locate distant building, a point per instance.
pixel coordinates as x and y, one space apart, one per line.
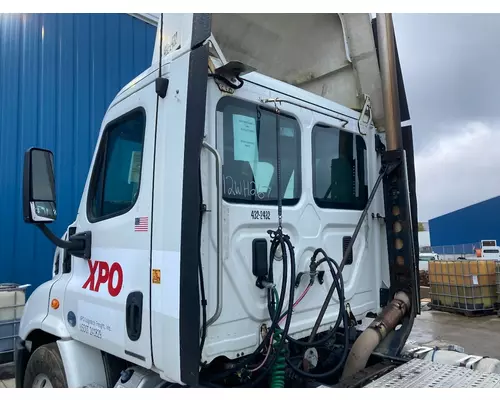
462 230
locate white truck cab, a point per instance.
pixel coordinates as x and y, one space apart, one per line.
490 250
180 255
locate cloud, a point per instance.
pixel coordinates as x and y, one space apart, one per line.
459 168
450 65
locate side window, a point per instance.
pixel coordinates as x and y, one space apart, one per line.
339 169
117 171
249 156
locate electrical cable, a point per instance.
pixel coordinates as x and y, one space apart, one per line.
342 318
297 302
274 314
202 286
332 371
275 349
343 312
248 360
203 298
278 238
347 253
338 283
283 241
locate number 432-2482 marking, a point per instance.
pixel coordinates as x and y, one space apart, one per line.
260 214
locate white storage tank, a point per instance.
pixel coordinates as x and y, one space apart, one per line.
12 301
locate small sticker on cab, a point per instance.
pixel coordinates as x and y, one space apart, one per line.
156 276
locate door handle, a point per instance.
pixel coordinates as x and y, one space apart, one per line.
133 315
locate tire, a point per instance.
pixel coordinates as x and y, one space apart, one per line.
45 368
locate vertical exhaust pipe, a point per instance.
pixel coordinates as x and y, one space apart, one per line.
387 60
395 311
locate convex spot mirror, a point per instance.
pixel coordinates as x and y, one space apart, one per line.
39 191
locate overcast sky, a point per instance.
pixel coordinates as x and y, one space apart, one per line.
451 69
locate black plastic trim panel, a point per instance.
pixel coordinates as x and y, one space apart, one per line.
189 324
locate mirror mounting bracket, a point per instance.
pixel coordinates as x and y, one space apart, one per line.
79 245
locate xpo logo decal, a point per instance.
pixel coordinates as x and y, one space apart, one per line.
101 274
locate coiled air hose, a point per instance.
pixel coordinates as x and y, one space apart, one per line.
278 367
278 239
275 363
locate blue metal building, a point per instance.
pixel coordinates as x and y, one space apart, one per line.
458 231
58 74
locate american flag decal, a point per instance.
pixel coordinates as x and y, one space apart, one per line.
141 224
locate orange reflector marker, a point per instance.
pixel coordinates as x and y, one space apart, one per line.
54 304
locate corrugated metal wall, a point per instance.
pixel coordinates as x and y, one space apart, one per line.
58 74
467 225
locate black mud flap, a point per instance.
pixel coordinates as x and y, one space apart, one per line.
21 356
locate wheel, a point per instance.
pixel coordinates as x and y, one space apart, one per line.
45 368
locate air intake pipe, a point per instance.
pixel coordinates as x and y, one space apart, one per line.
377 331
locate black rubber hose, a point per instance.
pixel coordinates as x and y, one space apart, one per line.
336 368
273 315
200 273
276 241
346 254
204 309
314 265
338 283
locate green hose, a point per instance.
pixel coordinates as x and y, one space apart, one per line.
278 368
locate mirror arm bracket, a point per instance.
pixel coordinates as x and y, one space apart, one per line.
78 245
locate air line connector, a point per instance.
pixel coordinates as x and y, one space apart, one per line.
263 284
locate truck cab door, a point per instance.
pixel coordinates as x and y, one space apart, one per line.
106 303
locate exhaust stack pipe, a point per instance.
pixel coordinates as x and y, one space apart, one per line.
387 57
377 331
394 312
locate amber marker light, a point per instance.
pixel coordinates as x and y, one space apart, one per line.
54 304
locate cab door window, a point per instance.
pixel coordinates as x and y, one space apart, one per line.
116 176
